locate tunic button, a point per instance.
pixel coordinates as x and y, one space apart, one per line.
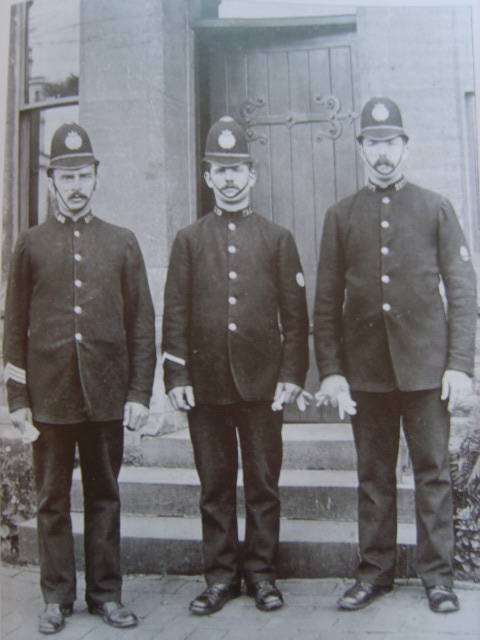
385 224
232 300
78 283
232 326
77 257
77 309
385 251
386 279
232 226
232 249
386 200
232 275
386 307
76 233
78 337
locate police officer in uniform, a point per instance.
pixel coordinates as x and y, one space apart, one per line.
232 276
79 350
388 351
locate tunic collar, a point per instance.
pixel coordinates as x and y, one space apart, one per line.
391 187
85 219
242 213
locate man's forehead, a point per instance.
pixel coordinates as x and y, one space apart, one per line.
394 140
218 166
75 171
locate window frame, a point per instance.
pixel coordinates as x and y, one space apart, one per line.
29 114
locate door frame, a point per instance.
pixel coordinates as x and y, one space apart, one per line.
224 31
335 30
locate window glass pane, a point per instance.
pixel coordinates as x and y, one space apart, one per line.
53 49
48 122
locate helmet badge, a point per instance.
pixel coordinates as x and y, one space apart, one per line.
73 141
226 139
380 112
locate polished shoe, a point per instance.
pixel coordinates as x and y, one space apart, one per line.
114 614
442 599
213 598
361 595
67 609
52 620
267 596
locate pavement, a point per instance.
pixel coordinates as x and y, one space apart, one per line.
310 612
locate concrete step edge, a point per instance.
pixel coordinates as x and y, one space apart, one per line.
291 432
301 531
288 477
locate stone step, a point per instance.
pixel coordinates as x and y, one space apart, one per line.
308 549
304 494
306 446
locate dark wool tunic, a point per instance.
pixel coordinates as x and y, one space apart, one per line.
379 316
79 322
231 278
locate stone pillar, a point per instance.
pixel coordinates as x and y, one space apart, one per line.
135 102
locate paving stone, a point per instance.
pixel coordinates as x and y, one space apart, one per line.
310 613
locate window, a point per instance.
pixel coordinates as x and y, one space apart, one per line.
50 96
53 42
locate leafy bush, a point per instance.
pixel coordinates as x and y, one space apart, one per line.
17 494
465 470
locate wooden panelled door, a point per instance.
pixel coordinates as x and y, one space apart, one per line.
293 91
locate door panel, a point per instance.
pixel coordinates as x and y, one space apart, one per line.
286 79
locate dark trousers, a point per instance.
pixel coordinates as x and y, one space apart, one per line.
100 447
376 428
213 430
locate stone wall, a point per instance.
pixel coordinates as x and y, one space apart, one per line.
422 57
135 102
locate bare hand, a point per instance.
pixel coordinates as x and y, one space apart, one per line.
303 400
456 386
335 391
182 398
20 417
135 415
285 393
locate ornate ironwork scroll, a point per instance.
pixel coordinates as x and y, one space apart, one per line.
331 116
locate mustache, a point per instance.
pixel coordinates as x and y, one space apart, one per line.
385 161
229 186
77 194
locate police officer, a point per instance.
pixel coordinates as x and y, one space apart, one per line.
388 351
232 275
79 349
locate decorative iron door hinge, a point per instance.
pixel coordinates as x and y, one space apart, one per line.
331 116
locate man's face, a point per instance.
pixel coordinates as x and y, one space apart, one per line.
231 185
384 158
74 187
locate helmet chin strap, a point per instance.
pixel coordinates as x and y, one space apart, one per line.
57 193
392 173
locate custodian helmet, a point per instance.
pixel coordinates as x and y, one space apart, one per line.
381 120
71 148
227 143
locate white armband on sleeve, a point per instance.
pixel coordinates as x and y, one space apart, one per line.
168 356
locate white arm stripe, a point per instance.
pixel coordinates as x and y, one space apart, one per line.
15 373
168 356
